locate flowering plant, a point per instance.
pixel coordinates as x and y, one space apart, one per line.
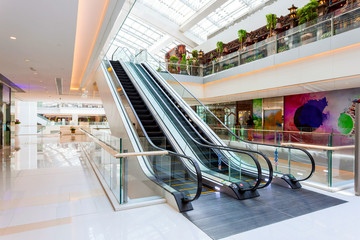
17 121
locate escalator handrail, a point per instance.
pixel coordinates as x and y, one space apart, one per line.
195 164
226 148
237 150
241 140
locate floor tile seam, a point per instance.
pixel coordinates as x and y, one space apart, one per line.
67 197
49 173
34 226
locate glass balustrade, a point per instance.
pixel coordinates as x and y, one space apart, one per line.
324 27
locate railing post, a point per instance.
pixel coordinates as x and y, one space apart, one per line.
357 148
275 133
329 156
229 169
289 156
332 25
124 177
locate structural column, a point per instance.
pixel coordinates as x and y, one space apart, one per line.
357 148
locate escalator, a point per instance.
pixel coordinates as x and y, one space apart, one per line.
195 130
291 164
201 139
234 182
166 170
179 178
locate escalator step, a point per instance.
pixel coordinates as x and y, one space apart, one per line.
148 122
139 107
143 111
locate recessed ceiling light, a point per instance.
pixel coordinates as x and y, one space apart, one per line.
26 60
35 73
12 38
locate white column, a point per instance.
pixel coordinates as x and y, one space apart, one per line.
75 119
26 113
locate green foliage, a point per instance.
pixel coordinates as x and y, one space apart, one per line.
325 35
183 63
250 59
283 48
195 54
189 61
158 69
220 47
308 12
228 66
271 21
173 60
242 35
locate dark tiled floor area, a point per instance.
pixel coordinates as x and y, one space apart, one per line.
219 215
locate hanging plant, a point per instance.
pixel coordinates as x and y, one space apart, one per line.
242 36
220 47
271 22
308 12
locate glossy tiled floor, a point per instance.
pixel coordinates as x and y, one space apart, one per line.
47 191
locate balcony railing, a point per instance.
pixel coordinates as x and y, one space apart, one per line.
333 152
326 26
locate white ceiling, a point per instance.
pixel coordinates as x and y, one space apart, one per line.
45 34
59 37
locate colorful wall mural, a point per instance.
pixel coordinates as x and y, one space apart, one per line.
257 113
321 112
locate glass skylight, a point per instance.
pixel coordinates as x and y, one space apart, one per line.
139 34
224 15
177 11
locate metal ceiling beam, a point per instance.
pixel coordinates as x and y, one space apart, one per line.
201 14
158 21
251 11
137 35
163 42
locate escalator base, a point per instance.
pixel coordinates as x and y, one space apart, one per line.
248 194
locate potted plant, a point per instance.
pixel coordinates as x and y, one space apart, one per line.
219 47
17 127
271 23
308 12
72 129
195 54
173 64
242 37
